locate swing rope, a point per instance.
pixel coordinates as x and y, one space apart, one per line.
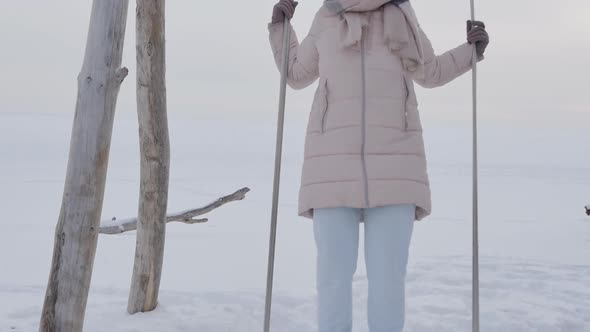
277 174
475 263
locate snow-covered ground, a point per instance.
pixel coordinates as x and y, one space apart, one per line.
535 236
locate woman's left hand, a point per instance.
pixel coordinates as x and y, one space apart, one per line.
476 33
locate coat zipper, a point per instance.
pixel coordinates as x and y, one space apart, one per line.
364 111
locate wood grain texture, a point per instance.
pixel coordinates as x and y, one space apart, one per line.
155 155
76 233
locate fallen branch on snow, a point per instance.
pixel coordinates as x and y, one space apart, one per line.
187 217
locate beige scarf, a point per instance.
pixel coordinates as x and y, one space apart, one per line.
401 32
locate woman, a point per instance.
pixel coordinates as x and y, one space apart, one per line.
364 151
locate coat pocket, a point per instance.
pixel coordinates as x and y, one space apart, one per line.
404 108
320 108
411 117
324 104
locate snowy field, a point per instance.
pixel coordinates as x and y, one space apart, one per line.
535 236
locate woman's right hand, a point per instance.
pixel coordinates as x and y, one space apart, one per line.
284 8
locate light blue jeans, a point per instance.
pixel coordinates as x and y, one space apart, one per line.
388 231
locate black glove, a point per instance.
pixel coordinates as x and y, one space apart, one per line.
284 8
476 33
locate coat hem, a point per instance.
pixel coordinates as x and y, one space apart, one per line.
331 195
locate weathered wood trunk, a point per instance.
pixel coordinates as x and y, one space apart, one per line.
79 220
155 156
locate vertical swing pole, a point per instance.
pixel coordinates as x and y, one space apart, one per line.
475 266
277 174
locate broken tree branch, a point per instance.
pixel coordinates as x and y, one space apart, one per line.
114 226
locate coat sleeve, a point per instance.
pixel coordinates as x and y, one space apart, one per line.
303 57
442 69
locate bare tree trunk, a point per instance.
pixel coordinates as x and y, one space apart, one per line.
77 229
155 156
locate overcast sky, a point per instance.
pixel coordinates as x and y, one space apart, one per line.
536 73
